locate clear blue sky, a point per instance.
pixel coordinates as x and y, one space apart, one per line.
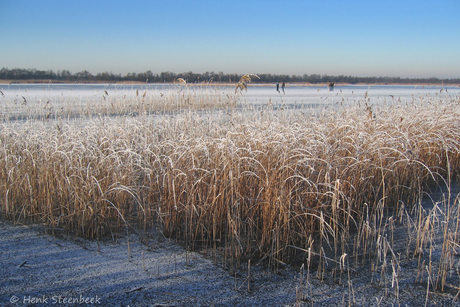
407 38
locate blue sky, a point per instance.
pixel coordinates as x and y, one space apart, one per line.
354 37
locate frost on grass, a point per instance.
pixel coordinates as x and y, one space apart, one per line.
258 183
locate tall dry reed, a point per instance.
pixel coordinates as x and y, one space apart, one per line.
260 184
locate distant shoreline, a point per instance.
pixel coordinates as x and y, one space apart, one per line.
44 82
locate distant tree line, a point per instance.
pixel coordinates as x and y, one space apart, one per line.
18 74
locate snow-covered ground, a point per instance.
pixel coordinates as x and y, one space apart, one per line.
37 269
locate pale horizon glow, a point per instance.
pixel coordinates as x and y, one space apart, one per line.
399 38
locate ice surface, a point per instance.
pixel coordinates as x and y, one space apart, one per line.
20 100
254 94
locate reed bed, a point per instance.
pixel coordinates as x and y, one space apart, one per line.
116 101
258 184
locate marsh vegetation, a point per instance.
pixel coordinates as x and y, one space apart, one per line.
331 190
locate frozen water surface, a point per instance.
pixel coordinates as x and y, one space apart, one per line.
255 93
350 93
41 100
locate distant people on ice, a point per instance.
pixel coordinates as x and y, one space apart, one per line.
331 86
283 85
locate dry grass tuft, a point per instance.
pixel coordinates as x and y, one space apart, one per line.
181 81
243 83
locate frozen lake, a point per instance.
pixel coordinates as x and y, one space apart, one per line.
19 100
254 94
349 93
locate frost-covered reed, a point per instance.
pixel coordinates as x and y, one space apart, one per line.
258 183
114 101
